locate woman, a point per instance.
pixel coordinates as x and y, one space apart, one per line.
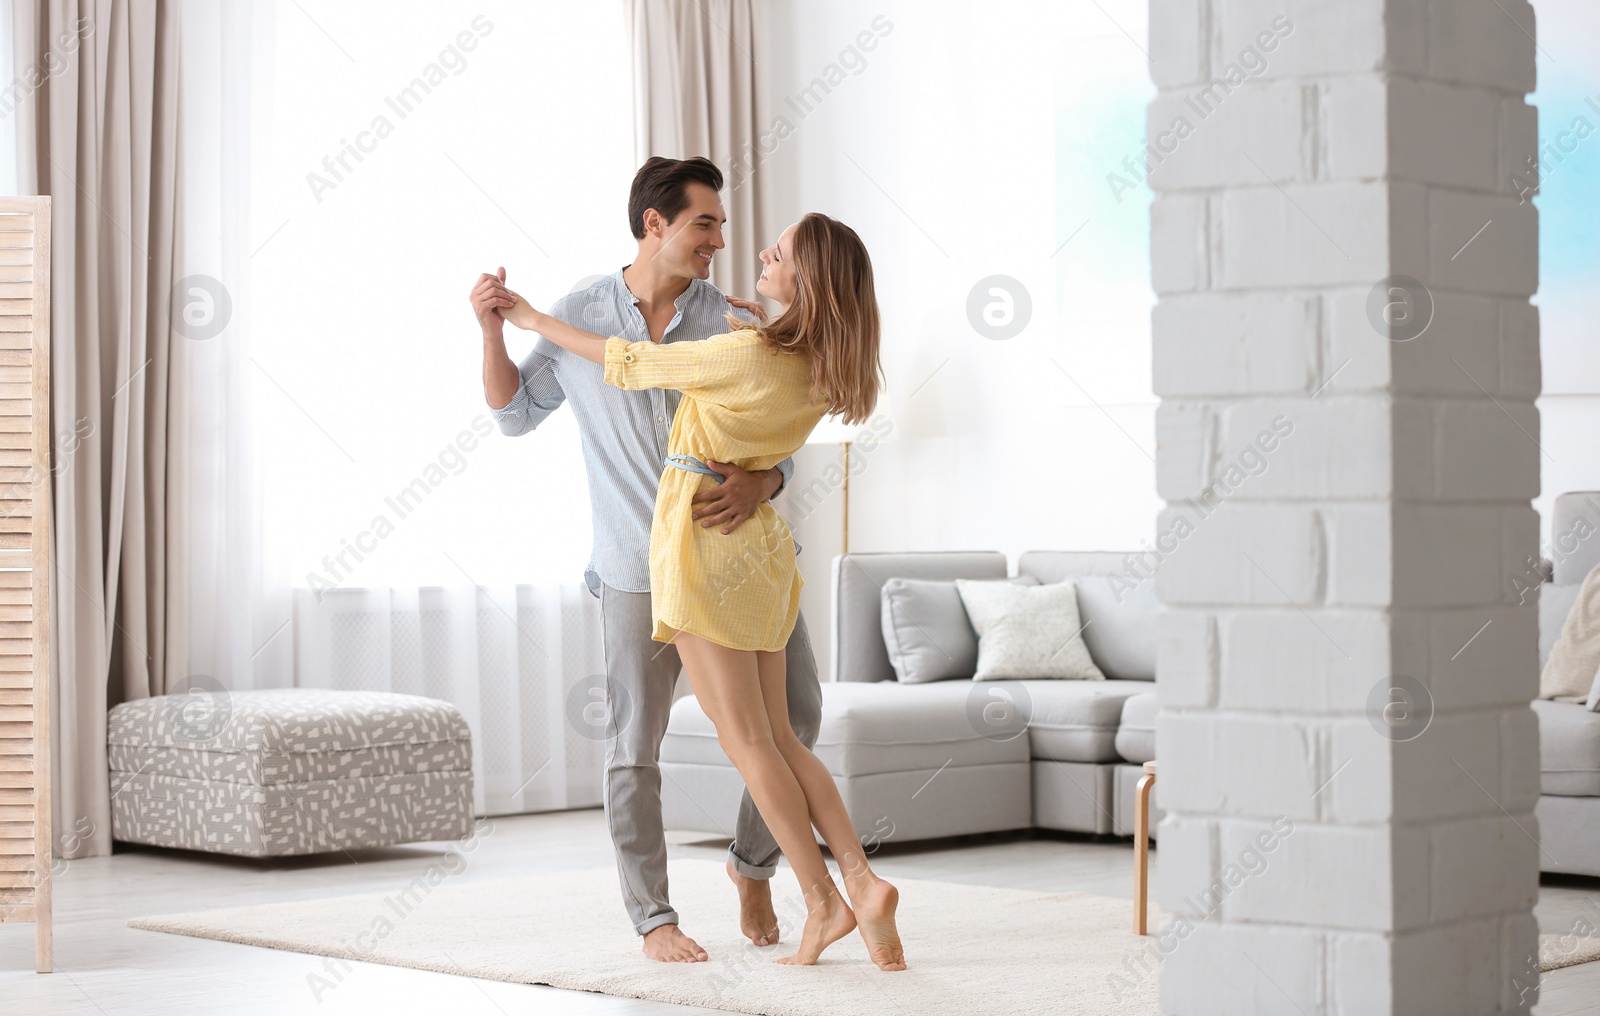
729 602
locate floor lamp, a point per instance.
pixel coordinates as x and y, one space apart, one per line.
874 432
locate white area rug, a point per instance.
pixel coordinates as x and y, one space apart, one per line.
971 950
1577 946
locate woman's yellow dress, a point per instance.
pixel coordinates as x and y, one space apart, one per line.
746 403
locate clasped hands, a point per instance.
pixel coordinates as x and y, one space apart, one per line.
506 303
727 504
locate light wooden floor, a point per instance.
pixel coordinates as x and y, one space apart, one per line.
106 968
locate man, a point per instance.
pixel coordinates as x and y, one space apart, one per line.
662 296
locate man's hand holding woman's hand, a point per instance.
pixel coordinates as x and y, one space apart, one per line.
492 302
487 297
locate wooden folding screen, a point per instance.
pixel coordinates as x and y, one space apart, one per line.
25 837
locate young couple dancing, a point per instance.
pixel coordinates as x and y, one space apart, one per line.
689 418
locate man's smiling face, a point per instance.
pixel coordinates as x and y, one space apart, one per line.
689 241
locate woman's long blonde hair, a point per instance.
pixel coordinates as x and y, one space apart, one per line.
834 317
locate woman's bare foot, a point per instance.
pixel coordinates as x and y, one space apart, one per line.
828 919
666 944
875 901
757 919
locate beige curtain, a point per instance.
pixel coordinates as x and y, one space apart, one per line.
97 130
697 91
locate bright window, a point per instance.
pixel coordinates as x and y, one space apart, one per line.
409 147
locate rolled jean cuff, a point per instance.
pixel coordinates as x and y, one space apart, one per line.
670 917
747 869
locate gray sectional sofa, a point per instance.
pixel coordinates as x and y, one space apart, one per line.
915 761
1569 734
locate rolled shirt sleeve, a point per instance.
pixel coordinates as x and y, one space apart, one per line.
538 393
635 365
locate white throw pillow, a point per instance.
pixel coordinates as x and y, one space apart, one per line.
926 631
1569 672
1027 631
1594 694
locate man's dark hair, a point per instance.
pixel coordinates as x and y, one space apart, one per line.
663 184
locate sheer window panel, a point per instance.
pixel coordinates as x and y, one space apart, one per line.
8 119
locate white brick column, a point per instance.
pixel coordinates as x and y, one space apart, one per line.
1348 760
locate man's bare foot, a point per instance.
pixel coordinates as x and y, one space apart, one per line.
756 917
828 919
666 944
875 902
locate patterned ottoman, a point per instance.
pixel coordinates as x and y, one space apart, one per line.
290 771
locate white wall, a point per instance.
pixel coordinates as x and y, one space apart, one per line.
944 150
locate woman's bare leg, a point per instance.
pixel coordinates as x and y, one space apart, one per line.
873 899
727 683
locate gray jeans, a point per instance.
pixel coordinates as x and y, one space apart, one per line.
643 672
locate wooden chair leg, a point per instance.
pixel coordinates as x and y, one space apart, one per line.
1141 853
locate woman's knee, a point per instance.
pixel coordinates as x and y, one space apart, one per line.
744 741
789 745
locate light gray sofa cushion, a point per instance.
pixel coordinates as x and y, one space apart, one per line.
874 727
1076 721
857 624
1569 749
1136 734
926 629
1120 610
1569 827
885 726
1121 625
1575 535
